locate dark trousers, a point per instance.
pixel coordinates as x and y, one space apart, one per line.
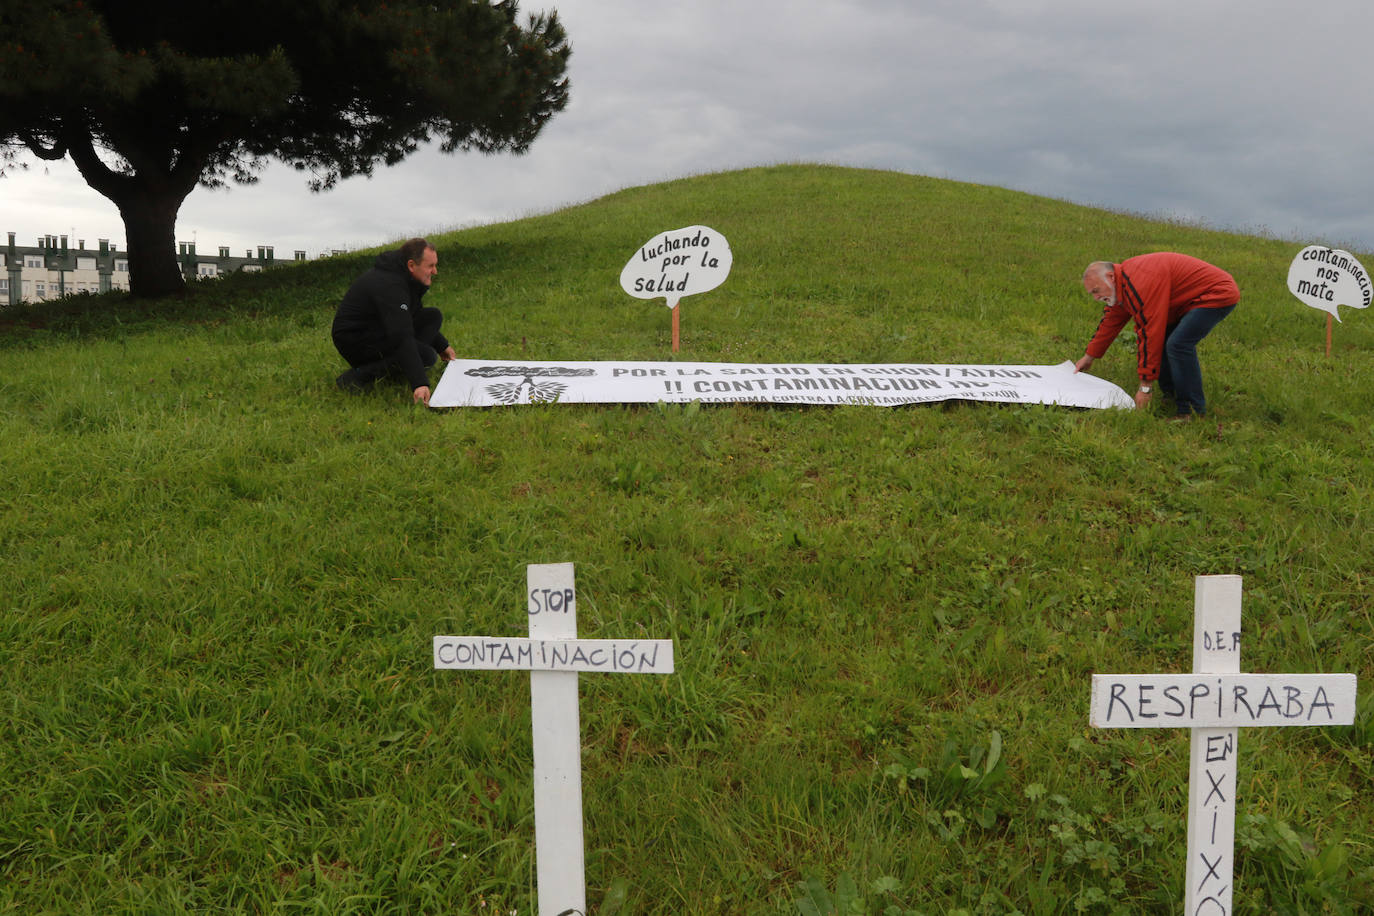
1180 373
380 354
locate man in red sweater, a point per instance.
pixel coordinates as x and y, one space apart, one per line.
1174 300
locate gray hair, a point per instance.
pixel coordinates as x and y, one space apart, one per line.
1100 268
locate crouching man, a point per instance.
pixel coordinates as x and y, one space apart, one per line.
381 328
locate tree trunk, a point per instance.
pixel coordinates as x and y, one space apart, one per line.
150 222
149 198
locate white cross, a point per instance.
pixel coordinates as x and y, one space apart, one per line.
1213 701
554 655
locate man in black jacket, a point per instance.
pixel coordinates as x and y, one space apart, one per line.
381 328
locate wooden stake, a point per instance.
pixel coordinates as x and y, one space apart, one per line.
675 332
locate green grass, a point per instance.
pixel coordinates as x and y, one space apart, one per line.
222 578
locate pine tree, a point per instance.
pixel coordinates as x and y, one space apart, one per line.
151 99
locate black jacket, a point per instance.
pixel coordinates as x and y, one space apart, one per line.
382 307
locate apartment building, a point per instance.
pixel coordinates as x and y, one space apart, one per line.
53 268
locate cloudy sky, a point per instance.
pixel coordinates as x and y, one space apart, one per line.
1250 115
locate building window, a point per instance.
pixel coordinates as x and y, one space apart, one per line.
40 289
85 263
121 265
206 270
33 260
5 287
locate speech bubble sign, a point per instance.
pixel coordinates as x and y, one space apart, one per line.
1326 278
677 263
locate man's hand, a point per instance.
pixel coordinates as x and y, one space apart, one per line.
1142 398
1083 363
422 395
448 355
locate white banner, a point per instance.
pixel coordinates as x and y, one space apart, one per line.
493 383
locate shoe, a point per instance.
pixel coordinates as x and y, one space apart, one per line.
355 381
1181 418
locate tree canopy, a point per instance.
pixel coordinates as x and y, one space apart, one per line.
151 99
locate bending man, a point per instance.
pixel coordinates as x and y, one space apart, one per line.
381 327
1175 301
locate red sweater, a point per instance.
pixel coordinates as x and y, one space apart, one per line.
1156 290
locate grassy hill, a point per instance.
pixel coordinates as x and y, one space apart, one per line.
223 577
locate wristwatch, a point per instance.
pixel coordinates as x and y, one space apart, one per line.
1144 389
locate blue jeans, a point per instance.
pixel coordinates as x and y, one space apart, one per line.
1180 373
